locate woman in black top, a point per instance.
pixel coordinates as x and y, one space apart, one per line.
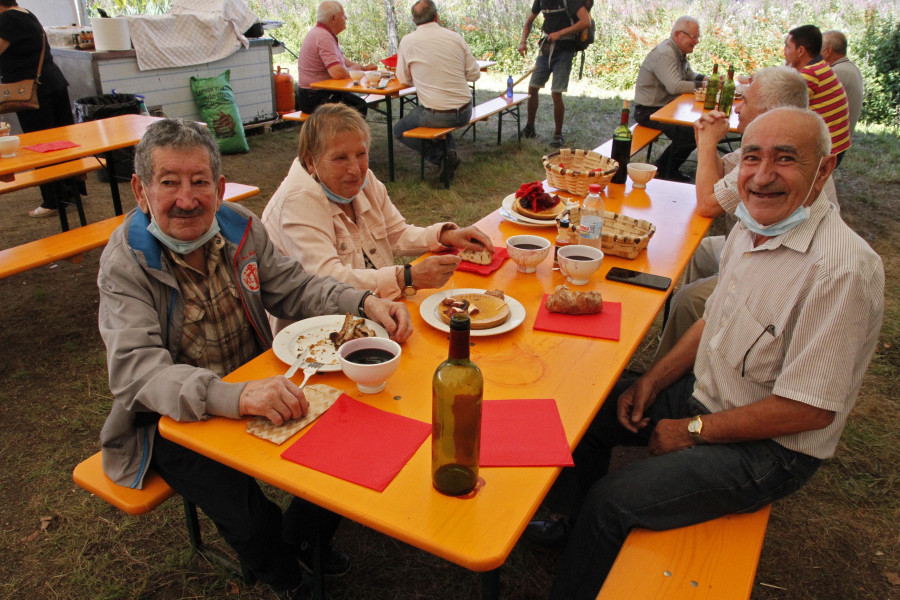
21 36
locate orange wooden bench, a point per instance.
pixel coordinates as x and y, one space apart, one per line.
36 177
71 244
496 106
295 116
715 560
641 137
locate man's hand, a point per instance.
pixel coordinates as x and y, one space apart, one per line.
634 402
711 128
277 398
393 316
466 238
434 271
523 48
670 435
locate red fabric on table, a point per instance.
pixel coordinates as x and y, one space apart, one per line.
51 146
523 433
500 254
390 61
605 324
359 443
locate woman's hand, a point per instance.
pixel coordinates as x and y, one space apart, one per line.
434 271
466 238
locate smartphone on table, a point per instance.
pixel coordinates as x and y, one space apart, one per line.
656 282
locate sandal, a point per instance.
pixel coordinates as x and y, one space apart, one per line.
40 212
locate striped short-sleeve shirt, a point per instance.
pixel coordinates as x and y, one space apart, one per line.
828 98
797 316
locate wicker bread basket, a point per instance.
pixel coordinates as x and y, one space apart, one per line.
625 236
577 172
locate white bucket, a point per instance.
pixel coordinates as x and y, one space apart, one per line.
111 34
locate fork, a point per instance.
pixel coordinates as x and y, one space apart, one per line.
309 369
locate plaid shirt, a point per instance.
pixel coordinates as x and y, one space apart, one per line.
216 334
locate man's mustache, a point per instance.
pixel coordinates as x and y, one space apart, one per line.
179 213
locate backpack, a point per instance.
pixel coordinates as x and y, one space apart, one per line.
583 38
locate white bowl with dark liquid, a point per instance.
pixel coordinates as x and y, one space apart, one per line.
527 251
369 362
579 262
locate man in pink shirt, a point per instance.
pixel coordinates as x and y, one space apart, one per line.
321 58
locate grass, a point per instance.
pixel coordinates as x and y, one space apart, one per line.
836 538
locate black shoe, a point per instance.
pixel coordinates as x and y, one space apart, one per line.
551 534
334 562
301 592
558 140
528 131
450 162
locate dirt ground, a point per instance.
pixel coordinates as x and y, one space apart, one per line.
834 539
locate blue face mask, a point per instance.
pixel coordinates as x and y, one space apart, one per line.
340 199
783 226
179 246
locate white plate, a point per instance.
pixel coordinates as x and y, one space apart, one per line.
430 306
313 333
515 217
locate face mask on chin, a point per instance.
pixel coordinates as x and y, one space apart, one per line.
335 197
175 245
800 215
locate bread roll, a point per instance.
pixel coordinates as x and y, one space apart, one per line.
479 257
564 300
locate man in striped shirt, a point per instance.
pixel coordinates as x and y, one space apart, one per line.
803 51
755 395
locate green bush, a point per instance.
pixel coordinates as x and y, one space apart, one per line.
881 71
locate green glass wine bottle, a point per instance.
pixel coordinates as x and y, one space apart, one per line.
712 89
621 148
457 388
726 98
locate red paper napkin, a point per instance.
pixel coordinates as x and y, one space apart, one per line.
606 324
500 254
359 443
390 61
51 146
523 433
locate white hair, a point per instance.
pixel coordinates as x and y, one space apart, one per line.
780 86
681 22
328 9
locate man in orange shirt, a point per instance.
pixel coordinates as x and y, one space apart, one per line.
802 51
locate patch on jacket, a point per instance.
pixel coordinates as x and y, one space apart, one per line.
250 276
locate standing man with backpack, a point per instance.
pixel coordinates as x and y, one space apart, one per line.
564 32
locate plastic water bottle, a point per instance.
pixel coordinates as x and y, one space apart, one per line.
509 87
592 211
142 107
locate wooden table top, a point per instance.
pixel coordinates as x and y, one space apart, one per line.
685 109
348 85
578 372
92 137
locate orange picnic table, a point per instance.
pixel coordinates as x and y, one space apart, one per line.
478 533
685 109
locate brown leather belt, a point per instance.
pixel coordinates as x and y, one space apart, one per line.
451 110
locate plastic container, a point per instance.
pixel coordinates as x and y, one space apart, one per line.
590 229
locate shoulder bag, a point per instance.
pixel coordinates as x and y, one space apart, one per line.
22 95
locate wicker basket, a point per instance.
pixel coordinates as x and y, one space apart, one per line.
579 171
625 236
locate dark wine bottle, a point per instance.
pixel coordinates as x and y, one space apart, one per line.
712 88
621 148
726 98
457 389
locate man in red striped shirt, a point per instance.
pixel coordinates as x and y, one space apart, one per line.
802 51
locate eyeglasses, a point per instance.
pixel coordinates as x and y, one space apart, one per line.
696 38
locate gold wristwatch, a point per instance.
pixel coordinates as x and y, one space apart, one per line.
408 288
695 427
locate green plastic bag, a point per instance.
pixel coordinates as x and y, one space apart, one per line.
215 99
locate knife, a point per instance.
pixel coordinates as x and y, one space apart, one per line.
297 364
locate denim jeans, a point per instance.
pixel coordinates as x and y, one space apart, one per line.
419 117
683 141
664 492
